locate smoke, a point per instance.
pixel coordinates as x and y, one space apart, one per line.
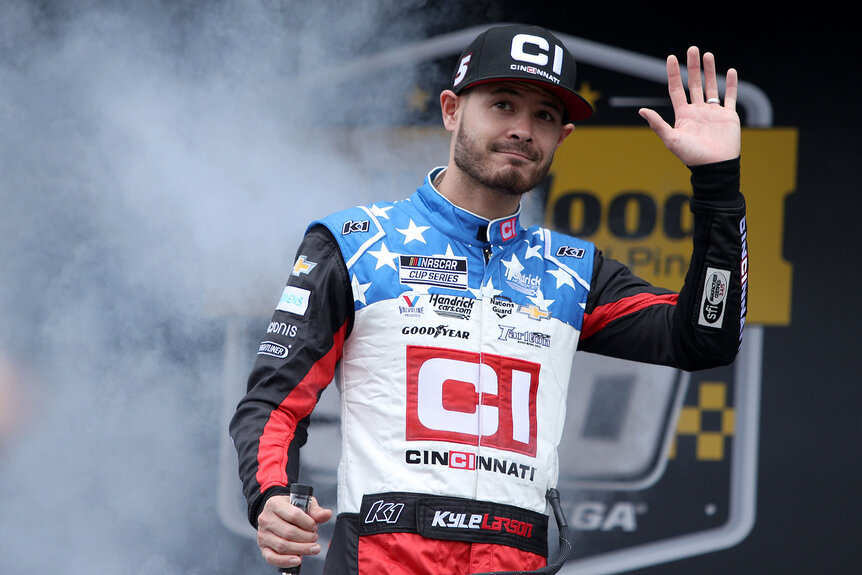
159 164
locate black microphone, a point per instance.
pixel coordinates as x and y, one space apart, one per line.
300 496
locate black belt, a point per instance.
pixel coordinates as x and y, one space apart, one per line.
454 519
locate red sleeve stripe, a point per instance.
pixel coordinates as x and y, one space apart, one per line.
604 314
279 430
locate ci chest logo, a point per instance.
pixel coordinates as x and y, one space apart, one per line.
464 397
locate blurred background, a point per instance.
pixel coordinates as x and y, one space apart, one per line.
159 162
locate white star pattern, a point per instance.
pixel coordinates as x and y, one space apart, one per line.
413 232
563 278
449 253
380 212
385 257
489 290
540 301
533 251
513 266
359 290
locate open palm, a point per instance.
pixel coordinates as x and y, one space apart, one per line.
704 130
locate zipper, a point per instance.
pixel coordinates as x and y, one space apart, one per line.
487 253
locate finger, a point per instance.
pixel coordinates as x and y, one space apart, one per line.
695 87
656 122
290 513
272 528
287 548
279 560
278 551
675 89
730 89
710 80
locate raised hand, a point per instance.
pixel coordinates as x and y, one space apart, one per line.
704 130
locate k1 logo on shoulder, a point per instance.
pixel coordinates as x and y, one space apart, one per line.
350 227
570 252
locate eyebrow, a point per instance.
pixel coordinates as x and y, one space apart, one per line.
551 103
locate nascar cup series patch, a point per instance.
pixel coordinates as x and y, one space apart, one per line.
445 272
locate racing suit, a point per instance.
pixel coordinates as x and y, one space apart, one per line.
455 337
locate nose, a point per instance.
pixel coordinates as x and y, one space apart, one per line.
521 128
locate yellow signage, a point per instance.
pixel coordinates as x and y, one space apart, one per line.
620 188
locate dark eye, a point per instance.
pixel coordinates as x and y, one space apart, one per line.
503 105
546 115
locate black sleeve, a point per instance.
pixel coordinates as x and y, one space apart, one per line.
295 362
701 326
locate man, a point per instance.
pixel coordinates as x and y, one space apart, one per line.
454 327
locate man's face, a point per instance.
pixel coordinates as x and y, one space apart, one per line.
507 135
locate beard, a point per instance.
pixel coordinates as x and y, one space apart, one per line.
508 180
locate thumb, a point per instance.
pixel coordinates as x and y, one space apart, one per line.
318 513
655 121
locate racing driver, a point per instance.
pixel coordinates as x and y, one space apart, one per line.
450 429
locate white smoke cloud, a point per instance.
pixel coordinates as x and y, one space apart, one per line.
159 163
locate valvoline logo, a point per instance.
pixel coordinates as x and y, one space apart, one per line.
412 308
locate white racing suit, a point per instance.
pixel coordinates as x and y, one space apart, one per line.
455 337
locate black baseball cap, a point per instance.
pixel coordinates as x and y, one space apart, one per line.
526 54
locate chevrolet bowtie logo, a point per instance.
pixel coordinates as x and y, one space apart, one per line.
534 312
302 266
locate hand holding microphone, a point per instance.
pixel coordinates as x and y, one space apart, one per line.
300 497
287 528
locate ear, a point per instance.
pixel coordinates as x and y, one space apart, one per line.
565 132
450 103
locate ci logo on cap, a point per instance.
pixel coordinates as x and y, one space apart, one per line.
540 59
